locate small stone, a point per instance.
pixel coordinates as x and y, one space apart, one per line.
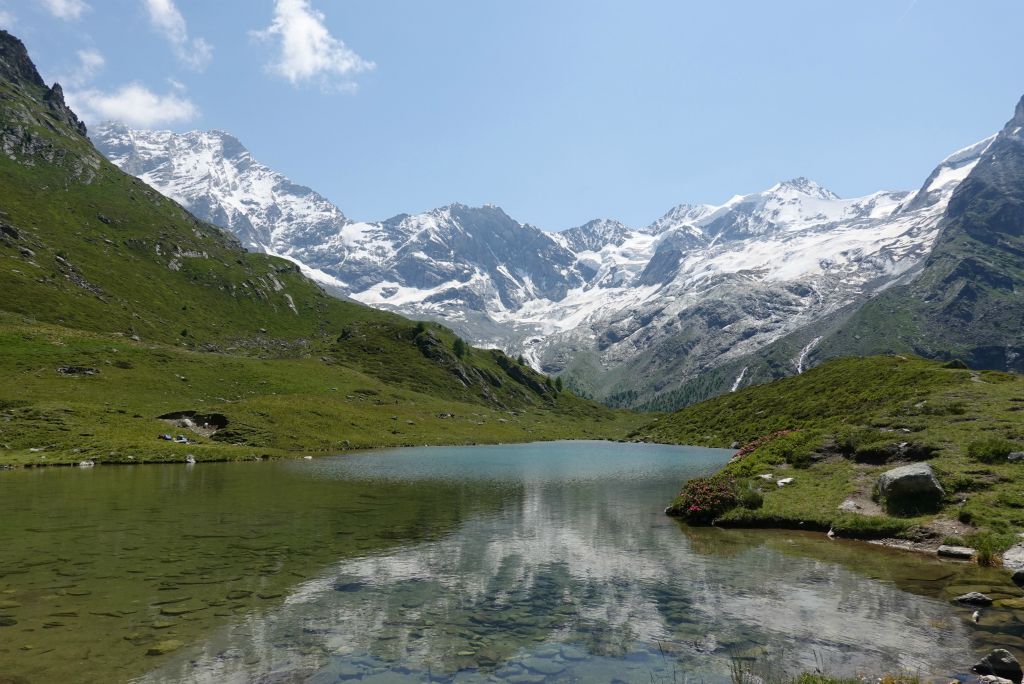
974 598
1000 663
785 481
961 552
850 506
164 647
992 679
1015 456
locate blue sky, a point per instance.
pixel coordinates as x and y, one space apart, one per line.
557 111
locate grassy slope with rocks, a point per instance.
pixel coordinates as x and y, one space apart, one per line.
848 419
99 271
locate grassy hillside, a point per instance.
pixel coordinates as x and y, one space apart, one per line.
149 310
847 421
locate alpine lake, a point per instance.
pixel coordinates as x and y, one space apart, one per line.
518 563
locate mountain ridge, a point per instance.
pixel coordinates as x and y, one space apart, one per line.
622 311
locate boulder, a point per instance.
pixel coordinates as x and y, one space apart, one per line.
910 487
1013 557
961 552
1015 456
975 598
1000 663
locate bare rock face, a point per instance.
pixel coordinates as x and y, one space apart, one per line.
15 64
17 67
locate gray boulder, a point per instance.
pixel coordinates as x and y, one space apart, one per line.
1015 456
1000 663
910 487
975 598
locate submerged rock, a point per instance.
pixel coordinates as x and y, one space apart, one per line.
1000 663
164 647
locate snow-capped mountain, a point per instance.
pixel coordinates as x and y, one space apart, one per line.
213 175
621 311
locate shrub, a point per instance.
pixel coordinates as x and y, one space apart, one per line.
991 449
459 347
751 499
990 546
704 499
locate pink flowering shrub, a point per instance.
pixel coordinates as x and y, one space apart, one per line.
704 499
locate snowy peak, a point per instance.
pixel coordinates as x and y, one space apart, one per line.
215 176
804 186
680 216
950 172
594 235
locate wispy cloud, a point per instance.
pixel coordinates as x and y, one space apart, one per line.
168 20
89 64
307 50
69 10
133 104
6 18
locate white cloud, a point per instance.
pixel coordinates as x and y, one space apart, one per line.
165 18
6 18
133 104
68 10
308 50
89 63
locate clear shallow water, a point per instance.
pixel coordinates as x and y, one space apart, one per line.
544 562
